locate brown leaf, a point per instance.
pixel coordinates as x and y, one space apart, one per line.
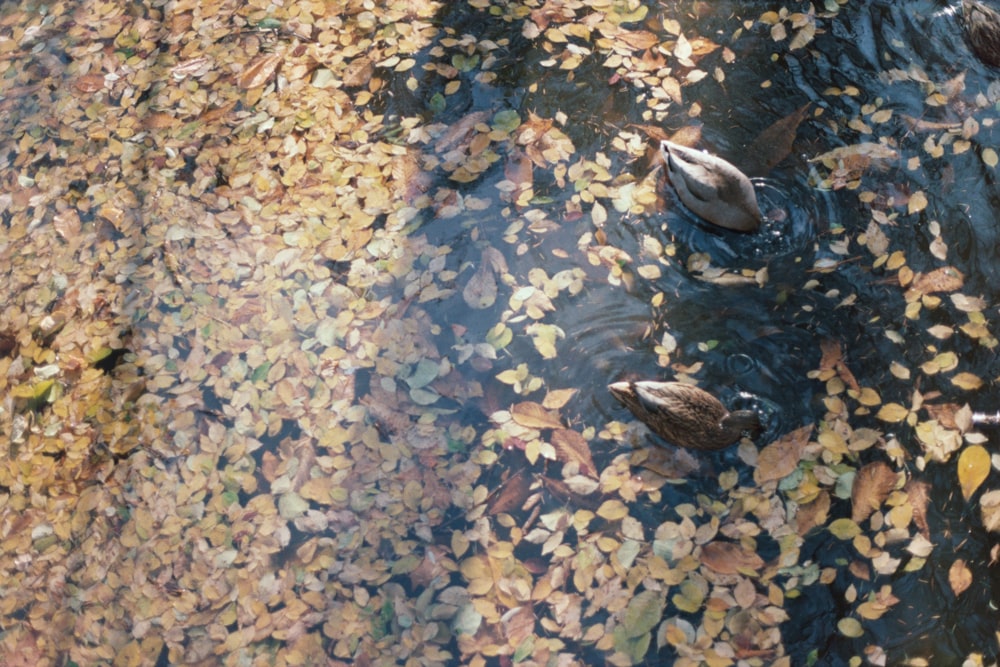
918 494
533 415
571 446
959 577
860 570
782 456
729 558
833 359
774 144
358 72
812 515
259 71
89 83
511 495
945 279
637 39
872 485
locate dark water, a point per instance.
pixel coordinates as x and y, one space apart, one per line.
757 344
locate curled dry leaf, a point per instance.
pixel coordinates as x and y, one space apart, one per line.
781 457
872 485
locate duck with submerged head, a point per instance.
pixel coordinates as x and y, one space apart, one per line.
712 188
982 23
683 414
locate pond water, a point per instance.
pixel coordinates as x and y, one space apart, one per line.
313 312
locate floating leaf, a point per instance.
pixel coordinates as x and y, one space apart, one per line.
967 381
533 415
259 71
989 508
730 558
973 469
612 510
872 485
850 627
571 446
643 613
844 529
892 413
959 576
781 457
917 202
945 279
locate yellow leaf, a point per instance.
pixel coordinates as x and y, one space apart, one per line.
892 412
959 577
967 381
868 396
850 627
917 203
612 510
990 157
532 415
844 529
557 398
973 468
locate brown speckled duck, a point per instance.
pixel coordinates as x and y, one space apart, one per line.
683 414
982 23
712 188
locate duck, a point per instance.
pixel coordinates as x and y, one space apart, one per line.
712 188
982 23
683 414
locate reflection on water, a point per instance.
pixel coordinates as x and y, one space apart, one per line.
333 402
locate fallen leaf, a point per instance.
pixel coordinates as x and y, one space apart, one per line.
729 558
918 495
533 415
781 457
571 446
945 279
973 469
989 509
259 71
813 514
959 577
872 485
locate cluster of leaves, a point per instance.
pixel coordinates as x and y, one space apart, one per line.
236 395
